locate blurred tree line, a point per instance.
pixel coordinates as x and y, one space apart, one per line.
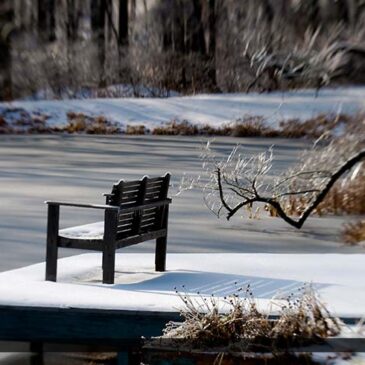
79 48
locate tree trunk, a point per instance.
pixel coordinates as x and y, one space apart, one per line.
47 20
98 12
133 10
6 24
72 24
196 29
212 25
123 22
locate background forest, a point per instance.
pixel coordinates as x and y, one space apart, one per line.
112 48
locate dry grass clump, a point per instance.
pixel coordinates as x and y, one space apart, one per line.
248 126
316 126
19 121
353 233
257 126
82 123
251 126
136 130
301 320
331 125
175 128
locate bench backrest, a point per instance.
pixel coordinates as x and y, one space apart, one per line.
128 194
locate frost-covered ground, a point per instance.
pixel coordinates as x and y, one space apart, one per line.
80 168
213 109
138 287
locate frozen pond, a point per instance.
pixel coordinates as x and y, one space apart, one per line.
80 168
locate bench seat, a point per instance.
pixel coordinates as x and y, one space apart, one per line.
91 231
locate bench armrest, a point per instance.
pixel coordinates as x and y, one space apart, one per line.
82 205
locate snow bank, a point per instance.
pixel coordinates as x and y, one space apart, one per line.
213 109
337 278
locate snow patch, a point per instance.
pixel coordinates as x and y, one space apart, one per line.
212 109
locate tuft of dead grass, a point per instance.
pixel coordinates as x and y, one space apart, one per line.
136 130
19 121
247 126
175 128
82 123
354 232
301 320
331 124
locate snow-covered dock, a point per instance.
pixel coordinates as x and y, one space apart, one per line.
337 278
79 309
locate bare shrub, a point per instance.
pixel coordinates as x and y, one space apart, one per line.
241 181
346 196
354 233
236 319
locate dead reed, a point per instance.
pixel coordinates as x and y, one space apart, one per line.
302 319
354 232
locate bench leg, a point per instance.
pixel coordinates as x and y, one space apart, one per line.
108 264
52 249
160 256
110 231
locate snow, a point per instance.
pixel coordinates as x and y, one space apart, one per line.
213 109
337 278
90 231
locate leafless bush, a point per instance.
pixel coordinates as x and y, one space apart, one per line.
315 169
241 181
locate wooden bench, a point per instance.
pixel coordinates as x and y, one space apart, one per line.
135 211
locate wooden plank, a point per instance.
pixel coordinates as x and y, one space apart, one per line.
155 179
82 205
130 195
73 325
132 183
145 206
140 238
52 236
141 197
148 219
80 243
